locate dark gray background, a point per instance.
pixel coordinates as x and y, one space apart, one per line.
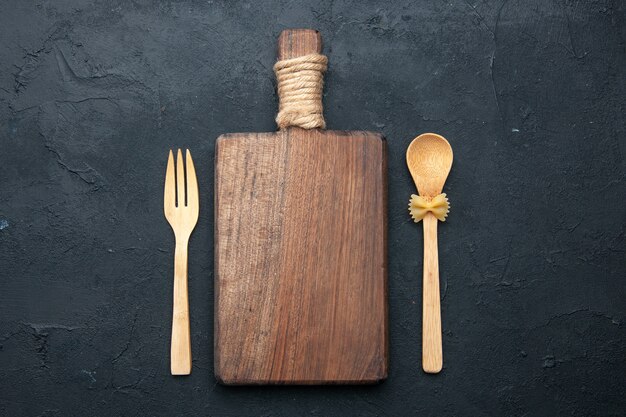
531 95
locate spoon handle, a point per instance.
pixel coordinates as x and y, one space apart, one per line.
432 356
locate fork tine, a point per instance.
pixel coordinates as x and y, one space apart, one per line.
192 183
180 180
169 196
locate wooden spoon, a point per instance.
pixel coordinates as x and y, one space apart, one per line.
429 158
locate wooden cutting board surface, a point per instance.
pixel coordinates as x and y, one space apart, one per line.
300 252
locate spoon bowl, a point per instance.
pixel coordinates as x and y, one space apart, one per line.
429 158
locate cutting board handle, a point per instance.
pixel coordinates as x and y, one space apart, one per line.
293 43
300 79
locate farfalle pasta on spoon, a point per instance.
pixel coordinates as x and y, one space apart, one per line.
419 206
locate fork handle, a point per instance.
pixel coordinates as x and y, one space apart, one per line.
432 356
180 360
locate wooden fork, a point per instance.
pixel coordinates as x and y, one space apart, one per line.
181 210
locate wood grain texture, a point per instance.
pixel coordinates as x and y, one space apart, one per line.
293 43
300 285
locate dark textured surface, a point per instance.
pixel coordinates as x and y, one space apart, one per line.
531 95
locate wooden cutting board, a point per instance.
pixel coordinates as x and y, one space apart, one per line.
300 252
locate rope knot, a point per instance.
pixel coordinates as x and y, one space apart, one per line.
300 85
438 205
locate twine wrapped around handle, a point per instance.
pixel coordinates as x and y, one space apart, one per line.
300 87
